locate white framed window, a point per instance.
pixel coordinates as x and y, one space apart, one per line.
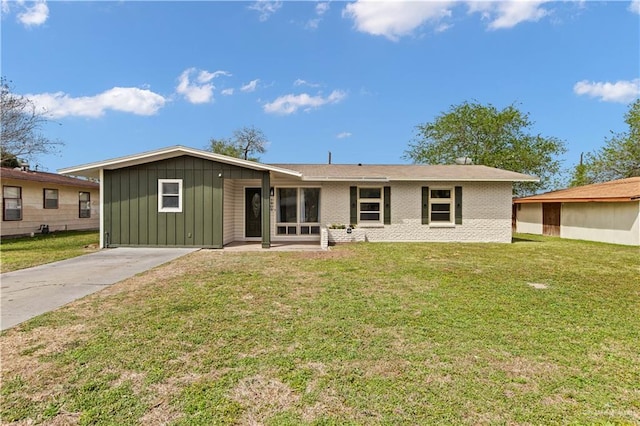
170 195
370 204
441 205
298 211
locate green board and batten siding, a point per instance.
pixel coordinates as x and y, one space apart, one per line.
131 214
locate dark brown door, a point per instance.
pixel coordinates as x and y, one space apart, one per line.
253 212
551 219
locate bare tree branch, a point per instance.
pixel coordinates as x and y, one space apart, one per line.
21 126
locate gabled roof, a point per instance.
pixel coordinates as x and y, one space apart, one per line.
44 177
317 172
613 191
93 169
405 172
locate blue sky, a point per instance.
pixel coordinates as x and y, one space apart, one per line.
353 78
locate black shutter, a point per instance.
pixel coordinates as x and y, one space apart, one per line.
458 202
387 205
353 212
425 205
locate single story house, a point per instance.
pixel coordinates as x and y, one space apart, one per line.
180 196
607 212
34 202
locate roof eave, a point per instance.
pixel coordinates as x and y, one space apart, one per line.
575 200
93 169
389 179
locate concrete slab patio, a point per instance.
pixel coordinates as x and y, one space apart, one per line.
33 291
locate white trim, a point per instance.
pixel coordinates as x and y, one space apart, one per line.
298 224
403 179
162 209
244 213
452 206
379 201
91 169
101 175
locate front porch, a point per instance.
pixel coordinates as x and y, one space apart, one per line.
245 246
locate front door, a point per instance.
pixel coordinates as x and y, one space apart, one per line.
253 212
551 219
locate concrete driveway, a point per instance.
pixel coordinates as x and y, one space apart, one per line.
30 292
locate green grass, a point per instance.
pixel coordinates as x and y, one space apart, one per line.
364 334
20 253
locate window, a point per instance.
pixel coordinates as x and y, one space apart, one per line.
369 205
12 203
440 205
84 205
310 205
287 205
170 195
50 198
298 211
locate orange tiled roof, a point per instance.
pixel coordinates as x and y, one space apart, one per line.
52 178
615 190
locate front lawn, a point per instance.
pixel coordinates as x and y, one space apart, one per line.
25 252
541 331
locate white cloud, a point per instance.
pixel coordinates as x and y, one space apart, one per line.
508 14
635 6
394 19
288 104
200 90
343 135
621 91
227 92
206 76
442 27
321 9
34 15
313 24
125 99
301 82
266 8
250 86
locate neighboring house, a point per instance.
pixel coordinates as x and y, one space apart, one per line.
180 196
34 202
608 212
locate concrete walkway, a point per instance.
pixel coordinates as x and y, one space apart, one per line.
30 292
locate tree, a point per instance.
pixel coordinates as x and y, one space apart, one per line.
246 142
490 137
580 176
21 124
225 147
8 160
618 159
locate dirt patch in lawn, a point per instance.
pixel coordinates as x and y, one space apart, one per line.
263 397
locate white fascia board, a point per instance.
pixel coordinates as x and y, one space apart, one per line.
344 179
464 180
92 169
383 179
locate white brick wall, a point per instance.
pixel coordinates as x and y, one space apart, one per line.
486 212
